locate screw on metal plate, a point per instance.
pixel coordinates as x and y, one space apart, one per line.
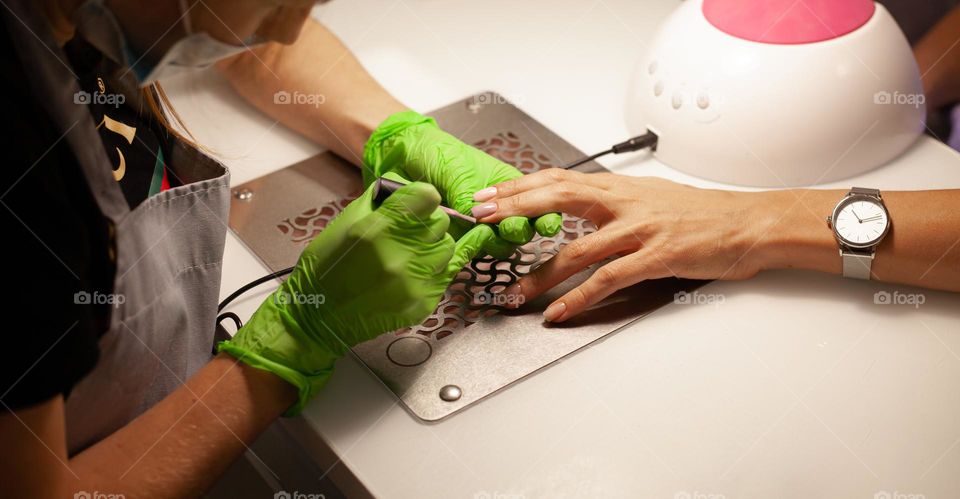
243 194
450 393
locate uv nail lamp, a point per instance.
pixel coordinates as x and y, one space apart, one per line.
778 92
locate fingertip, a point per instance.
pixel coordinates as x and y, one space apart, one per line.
469 246
482 232
556 312
548 225
514 295
516 230
484 210
485 194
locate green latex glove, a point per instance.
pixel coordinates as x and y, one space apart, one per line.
372 270
414 146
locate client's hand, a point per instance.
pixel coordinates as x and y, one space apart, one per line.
659 228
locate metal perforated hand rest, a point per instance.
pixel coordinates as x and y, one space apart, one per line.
474 291
471 346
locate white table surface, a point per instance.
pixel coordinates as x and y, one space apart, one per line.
797 385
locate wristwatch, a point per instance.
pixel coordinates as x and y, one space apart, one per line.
860 221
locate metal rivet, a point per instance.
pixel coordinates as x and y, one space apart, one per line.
450 393
243 194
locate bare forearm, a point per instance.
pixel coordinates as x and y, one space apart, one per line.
921 249
330 98
938 56
179 447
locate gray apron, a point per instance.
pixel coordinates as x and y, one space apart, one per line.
168 252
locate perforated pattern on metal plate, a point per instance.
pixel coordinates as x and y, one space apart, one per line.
304 227
470 296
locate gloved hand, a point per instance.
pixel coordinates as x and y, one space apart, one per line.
414 146
372 270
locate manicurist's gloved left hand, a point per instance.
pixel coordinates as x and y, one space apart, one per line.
413 146
372 270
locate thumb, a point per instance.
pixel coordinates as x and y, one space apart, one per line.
469 247
413 202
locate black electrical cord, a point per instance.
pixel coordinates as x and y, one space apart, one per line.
644 141
232 316
244 289
586 159
253 284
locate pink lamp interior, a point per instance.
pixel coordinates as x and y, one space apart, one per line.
788 21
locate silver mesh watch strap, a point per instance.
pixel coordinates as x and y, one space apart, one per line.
867 192
856 265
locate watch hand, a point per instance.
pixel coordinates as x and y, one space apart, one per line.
855 214
875 217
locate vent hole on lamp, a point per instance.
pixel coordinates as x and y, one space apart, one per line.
676 101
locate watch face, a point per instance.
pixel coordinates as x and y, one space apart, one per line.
860 221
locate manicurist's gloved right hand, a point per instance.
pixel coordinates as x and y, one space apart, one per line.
372 270
413 146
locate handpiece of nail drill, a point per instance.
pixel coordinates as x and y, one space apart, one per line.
384 187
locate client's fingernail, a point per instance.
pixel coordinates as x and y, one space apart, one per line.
554 311
485 194
514 296
484 210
